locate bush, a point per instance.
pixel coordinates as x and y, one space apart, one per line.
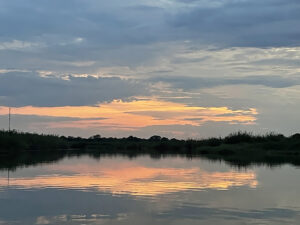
239 137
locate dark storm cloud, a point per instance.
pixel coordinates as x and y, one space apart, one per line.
21 89
189 83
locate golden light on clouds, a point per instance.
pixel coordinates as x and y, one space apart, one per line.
136 114
138 180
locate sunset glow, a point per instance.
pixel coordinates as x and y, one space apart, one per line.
137 114
139 180
151 112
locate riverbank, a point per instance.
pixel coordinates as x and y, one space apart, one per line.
238 149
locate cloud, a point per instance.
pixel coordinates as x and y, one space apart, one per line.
250 23
197 52
17 45
107 25
21 89
62 36
268 214
136 114
190 83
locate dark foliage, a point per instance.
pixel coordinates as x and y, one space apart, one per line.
239 148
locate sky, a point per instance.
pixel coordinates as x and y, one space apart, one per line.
174 68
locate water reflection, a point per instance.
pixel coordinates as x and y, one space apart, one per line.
136 179
171 190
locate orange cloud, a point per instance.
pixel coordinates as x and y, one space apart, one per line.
136 114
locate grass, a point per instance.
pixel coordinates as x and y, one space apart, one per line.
14 141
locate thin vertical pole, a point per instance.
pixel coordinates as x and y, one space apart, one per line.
8 177
9 119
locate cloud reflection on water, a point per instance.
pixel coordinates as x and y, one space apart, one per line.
136 180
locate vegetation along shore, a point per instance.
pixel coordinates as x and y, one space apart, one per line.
239 148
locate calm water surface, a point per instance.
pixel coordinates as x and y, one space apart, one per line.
170 190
